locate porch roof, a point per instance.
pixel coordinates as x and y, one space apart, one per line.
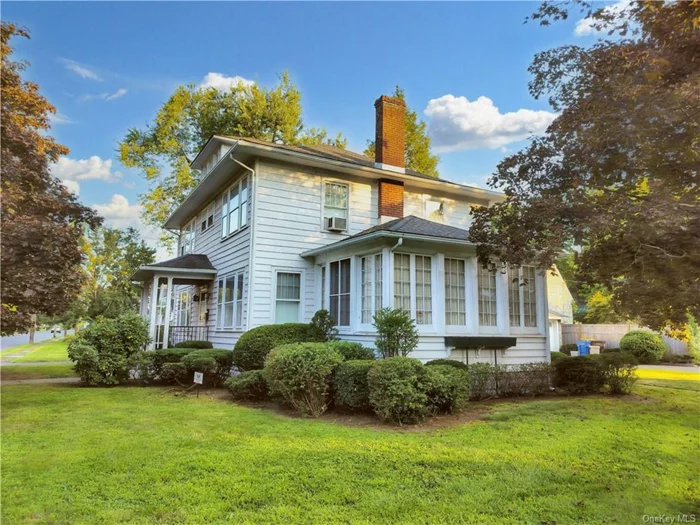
410 227
189 267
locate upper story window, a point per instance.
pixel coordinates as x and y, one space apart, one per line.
522 297
455 292
371 280
187 237
206 219
335 206
234 208
487 297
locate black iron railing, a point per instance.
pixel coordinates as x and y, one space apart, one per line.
178 334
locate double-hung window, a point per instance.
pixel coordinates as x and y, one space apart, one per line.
187 238
183 307
455 292
414 273
229 307
522 297
339 292
487 297
234 208
371 285
288 297
206 220
335 203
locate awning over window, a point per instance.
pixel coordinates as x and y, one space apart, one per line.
186 269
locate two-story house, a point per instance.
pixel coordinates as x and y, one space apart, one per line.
273 233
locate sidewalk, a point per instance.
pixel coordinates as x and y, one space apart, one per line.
44 381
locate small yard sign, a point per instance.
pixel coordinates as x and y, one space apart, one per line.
199 378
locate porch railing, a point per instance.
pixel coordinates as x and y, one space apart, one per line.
178 334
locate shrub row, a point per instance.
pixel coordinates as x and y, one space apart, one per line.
589 374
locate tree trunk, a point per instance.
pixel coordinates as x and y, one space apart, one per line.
32 328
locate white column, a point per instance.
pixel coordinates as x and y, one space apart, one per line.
387 278
168 304
154 306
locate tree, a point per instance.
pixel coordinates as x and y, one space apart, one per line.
616 173
42 222
112 257
418 156
163 150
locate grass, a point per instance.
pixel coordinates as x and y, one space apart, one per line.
49 350
143 455
10 372
683 375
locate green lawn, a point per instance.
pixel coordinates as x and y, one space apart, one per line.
49 350
142 455
11 372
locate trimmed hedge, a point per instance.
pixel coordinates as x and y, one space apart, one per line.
352 351
619 371
447 388
482 380
647 347
174 372
610 350
448 362
253 346
301 374
579 375
251 385
557 355
397 390
194 344
350 385
215 363
568 348
166 355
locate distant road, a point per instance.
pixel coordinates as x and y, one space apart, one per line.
10 341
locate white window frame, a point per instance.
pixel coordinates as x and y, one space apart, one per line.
301 273
324 183
178 311
238 278
206 218
520 327
466 302
349 293
188 236
489 329
376 287
435 311
241 209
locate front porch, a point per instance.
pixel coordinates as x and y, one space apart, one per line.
171 290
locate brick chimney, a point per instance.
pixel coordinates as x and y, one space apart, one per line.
389 143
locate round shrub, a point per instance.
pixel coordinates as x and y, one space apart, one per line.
250 385
448 362
568 348
579 375
253 346
352 351
174 373
350 385
397 334
557 355
397 390
215 363
619 371
609 350
194 344
301 375
447 388
322 327
647 347
166 355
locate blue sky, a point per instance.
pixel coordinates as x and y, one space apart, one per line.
108 67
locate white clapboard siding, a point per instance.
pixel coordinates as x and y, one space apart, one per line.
456 213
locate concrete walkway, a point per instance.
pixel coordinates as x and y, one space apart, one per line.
35 363
42 381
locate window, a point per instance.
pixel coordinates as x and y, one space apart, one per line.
183 307
323 286
206 220
522 298
402 281
435 210
234 208
335 200
229 306
371 273
288 297
487 297
424 293
455 292
187 239
339 292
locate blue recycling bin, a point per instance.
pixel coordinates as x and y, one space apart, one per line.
584 347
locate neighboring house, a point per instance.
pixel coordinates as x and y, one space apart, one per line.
561 309
274 233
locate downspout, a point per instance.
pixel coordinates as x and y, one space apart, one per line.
398 243
252 198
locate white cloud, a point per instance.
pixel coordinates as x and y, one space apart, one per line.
222 82
584 27
81 70
119 213
455 123
104 96
71 171
57 118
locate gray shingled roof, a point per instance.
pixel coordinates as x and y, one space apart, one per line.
416 226
191 261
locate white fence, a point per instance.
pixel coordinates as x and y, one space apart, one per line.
611 334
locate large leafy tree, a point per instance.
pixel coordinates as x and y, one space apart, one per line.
617 173
417 155
42 222
162 151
